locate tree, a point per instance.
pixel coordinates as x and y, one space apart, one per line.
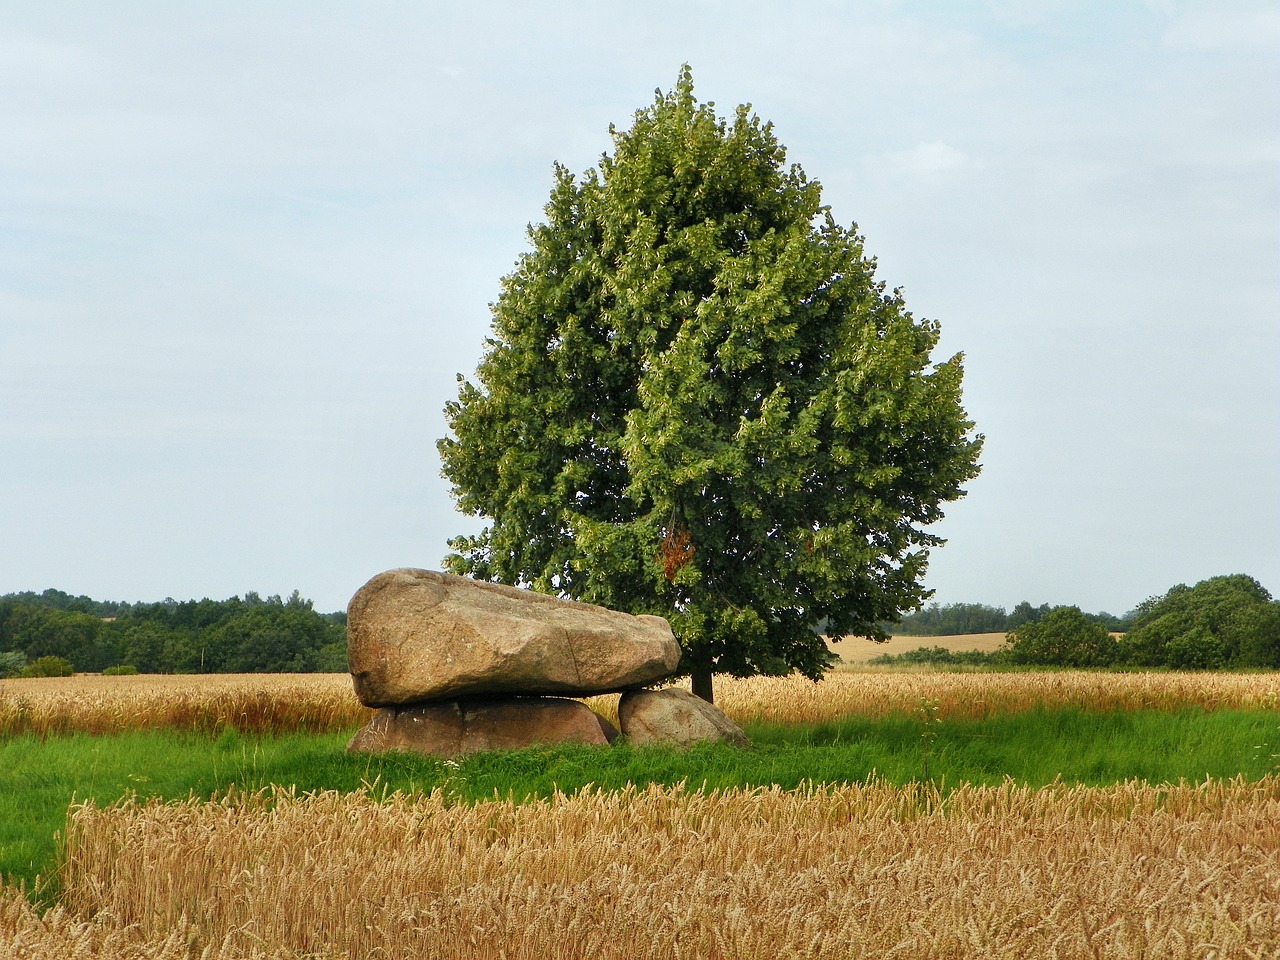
697 401
48 667
1024 612
47 631
143 645
11 663
1223 621
954 619
1063 637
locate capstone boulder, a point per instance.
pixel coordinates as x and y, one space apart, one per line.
416 636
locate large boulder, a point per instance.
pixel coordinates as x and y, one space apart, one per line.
457 728
674 716
418 635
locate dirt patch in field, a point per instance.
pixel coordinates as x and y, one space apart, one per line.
860 649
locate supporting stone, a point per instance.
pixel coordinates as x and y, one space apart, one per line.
457 728
674 716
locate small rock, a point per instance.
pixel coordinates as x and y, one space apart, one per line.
674 716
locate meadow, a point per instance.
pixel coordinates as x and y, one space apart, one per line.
880 813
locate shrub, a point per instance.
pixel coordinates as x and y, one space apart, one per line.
942 656
11 663
48 667
123 670
1063 637
1223 621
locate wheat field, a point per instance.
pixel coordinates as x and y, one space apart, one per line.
870 870
275 703
252 703
849 871
975 695
860 649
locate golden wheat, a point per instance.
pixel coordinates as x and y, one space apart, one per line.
318 702
848 871
858 650
259 703
26 934
975 695
868 870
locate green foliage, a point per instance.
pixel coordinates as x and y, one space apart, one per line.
941 656
47 667
11 663
267 639
149 646
332 657
1024 612
697 401
42 631
953 619
1063 637
1223 621
61 600
121 670
195 636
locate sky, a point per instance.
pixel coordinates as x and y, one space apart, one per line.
246 248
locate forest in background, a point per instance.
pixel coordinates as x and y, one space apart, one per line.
956 619
251 634
246 634
1222 622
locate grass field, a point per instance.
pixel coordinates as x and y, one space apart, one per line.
881 813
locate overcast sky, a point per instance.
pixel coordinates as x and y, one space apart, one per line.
246 247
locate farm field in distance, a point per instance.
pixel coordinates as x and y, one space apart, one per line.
860 649
646 853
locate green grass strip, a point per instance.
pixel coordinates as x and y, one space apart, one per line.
39 779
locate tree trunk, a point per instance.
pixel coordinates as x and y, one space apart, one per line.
701 676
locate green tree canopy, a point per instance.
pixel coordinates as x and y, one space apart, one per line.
206 636
48 667
1063 637
11 663
1223 621
952 619
697 401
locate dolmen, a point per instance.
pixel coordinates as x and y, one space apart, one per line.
454 666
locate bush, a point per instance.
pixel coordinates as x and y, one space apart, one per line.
1063 637
48 667
942 656
1220 622
123 670
11 663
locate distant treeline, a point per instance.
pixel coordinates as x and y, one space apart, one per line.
954 619
240 635
1228 622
